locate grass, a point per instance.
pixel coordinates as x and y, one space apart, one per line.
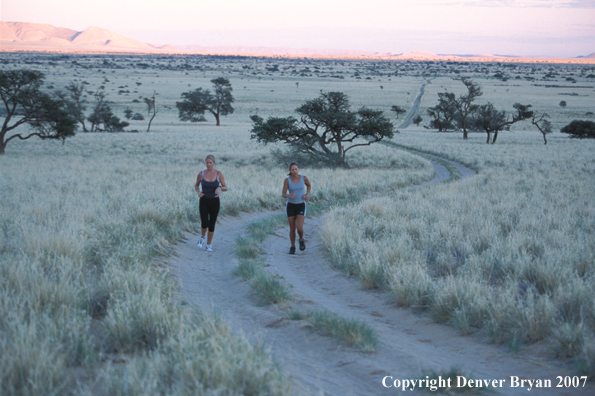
259 230
82 222
351 332
508 252
247 248
266 286
269 288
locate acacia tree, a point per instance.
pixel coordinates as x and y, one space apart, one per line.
76 102
443 114
325 128
25 103
465 107
398 110
151 108
195 103
457 110
543 124
102 117
492 120
580 129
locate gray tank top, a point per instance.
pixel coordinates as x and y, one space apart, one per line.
209 187
298 189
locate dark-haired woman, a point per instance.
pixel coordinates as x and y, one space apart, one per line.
294 187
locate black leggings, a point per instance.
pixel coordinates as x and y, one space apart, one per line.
209 209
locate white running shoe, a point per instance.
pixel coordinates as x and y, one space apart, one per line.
209 248
201 241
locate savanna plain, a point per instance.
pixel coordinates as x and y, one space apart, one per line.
88 303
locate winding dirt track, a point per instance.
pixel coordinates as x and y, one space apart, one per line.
408 343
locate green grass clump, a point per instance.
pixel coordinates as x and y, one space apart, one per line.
247 248
296 315
266 286
269 288
247 268
352 332
259 230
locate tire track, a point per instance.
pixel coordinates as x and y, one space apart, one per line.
414 110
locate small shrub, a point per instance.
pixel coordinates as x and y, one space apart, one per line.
580 129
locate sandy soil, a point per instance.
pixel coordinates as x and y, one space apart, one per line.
408 343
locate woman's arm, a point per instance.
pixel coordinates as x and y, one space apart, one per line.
197 185
284 191
223 186
308 188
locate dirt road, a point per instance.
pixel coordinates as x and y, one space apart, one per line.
409 344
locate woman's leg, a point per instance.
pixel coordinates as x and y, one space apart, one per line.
292 228
299 224
204 216
213 213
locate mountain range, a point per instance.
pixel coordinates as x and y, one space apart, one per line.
23 36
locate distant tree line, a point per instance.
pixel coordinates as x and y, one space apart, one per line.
326 128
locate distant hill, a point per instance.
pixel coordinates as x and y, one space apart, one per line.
22 35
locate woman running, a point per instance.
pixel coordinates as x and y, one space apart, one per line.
293 190
211 182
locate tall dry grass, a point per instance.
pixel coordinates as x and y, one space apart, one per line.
509 251
81 226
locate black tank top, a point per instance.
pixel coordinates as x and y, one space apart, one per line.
209 187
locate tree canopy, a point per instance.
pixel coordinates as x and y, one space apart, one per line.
580 129
325 127
456 113
492 120
195 103
25 103
443 114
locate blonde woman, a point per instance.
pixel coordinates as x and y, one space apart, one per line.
293 189
209 184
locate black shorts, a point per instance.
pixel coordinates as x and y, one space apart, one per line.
296 209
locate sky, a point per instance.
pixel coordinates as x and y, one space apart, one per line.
556 28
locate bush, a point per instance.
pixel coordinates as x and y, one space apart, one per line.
580 129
